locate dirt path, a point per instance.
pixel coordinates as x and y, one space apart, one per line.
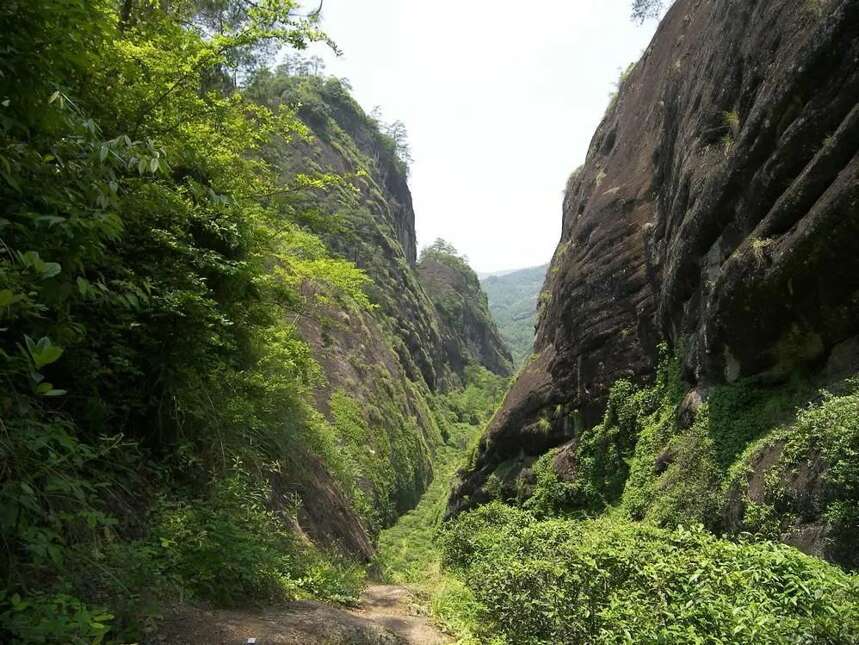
393 608
386 615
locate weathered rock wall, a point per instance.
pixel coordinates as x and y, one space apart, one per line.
718 210
380 365
468 331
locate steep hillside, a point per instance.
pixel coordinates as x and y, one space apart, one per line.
468 330
513 304
221 374
716 213
382 365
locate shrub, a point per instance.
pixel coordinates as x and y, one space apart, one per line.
822 448
830 431
678 474
603 454
230 549
550 495
53 618
608 580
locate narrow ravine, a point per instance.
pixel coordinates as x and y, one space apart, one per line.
395 609
408 554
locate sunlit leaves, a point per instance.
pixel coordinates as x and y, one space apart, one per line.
42 269
610 580
150 260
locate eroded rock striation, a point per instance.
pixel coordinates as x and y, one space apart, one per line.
717 211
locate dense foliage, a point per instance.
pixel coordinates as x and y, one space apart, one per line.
658 463
150 258
609 581
752 462
813 477
407 548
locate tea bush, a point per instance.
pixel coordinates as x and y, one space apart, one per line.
609 580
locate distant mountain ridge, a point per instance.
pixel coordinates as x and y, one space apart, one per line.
483 275
513 297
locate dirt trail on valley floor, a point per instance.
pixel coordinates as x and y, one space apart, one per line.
394 608
385 616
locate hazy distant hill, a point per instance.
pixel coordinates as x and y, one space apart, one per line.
513 303
483 275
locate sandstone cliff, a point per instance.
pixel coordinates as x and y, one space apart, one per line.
469 333
718 211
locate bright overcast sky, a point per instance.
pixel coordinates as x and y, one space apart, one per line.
500 99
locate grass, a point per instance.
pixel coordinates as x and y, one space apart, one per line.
408 553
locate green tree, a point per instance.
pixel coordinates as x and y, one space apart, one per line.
440 247
644 9
151 261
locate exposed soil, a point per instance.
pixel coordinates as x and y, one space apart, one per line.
394 608
385 616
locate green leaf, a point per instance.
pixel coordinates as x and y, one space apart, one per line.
49 355
84 286
10 180
32 260
50 219
50 270
43 352
8 297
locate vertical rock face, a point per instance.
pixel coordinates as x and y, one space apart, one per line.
718 211
372 219
388 172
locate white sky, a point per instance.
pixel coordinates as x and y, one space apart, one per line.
500 99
